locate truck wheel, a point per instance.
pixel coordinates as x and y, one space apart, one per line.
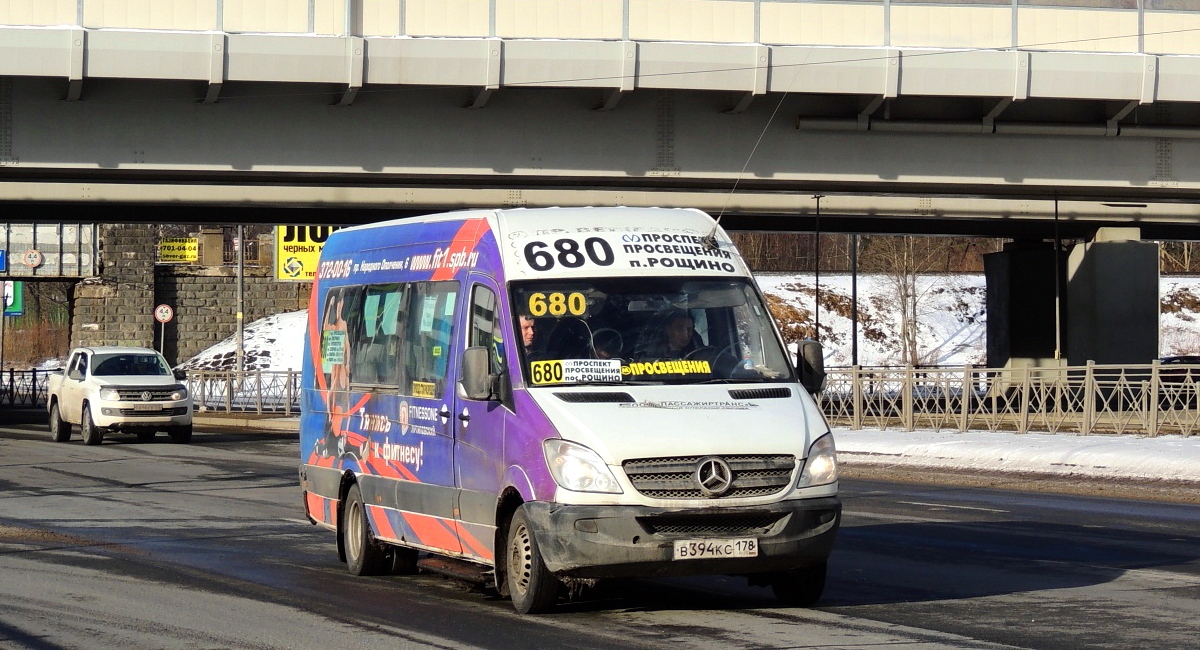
60 430
800 587
532 587
88 429
181 435
364 555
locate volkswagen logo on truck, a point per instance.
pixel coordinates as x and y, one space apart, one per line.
713 476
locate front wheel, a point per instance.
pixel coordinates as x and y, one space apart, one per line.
800 587
88 429
365 556
60 430
532 587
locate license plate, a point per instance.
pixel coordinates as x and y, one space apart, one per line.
709 549
147 407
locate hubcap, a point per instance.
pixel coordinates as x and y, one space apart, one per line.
520 556
354 531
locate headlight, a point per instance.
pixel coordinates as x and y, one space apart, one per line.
109 394
180 393
578 468
821 466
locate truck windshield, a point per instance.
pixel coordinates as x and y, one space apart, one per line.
646 330
129 365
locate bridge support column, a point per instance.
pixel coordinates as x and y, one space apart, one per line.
116 308
1020 305
1113 301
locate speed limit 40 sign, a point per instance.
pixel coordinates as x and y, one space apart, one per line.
163 313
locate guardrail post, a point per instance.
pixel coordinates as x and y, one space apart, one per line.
229 379
258 391
1153 406
968 391
1023 416
907 398
1089 397
289 394
856 389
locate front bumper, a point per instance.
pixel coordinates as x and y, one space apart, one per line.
627 541
130 415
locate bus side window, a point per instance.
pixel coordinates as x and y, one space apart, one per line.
376 344
428 334
485 328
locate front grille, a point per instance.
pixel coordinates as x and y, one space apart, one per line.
673 478
710 524
179 410
157 394
597 397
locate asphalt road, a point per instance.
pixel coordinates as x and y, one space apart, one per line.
156 545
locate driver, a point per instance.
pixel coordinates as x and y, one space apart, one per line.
681 335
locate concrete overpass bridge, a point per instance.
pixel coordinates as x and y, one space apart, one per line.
1011 118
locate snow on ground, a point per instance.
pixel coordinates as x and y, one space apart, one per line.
272 343
1123 457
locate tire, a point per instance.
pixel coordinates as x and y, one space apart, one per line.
88 430
181 435
146 436
800 587
60 430
365 556
531 586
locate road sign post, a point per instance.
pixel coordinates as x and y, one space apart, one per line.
163 314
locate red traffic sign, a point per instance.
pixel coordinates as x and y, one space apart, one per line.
163 313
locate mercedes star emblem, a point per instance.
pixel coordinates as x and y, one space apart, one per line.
713 476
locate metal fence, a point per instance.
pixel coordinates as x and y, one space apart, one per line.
256 391
1146 399
1134 399
24 387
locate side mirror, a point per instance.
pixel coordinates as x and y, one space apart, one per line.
476 382
179 374
74 373
810 361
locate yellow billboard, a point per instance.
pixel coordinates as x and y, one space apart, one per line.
178 249
297 249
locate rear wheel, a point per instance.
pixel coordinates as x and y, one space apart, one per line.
365 556
532 587
88 429
60 430
181 435
800 587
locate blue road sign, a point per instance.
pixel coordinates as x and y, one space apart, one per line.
3 260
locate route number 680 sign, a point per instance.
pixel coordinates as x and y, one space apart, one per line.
568 253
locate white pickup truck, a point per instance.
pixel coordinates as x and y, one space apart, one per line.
112 388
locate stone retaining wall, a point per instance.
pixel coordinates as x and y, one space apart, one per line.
116 308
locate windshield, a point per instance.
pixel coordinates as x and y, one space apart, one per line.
134 365
646 330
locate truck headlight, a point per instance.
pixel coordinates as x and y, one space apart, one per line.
179 394
821 466
578 468
110 394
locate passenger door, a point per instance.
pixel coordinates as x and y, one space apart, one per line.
479 424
